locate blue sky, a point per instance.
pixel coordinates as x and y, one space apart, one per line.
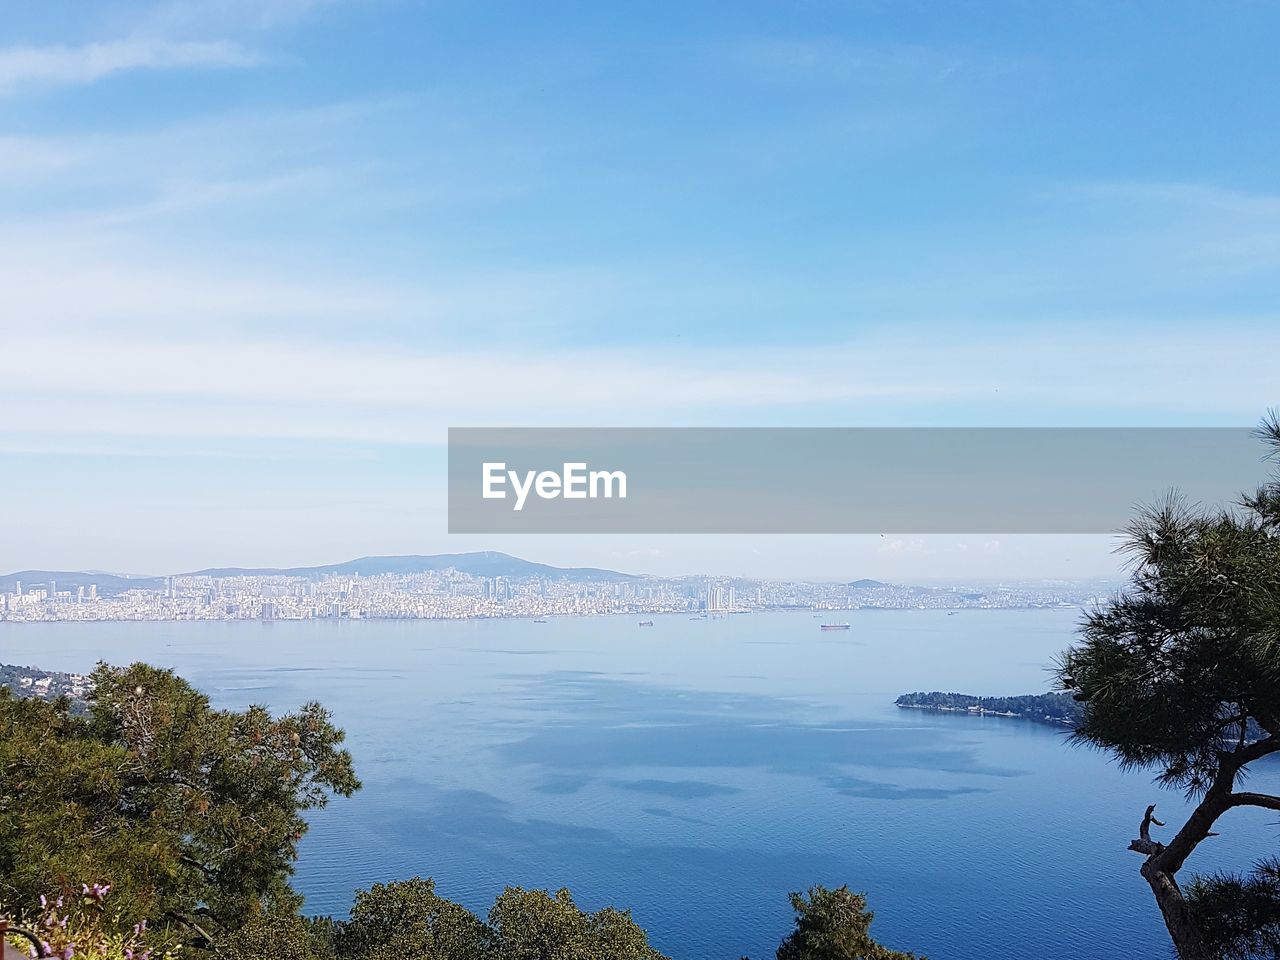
257 256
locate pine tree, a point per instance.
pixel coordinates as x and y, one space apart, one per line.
1180 674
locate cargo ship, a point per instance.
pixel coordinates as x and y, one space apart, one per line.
834 626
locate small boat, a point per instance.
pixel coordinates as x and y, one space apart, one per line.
541 621
646 623
833 626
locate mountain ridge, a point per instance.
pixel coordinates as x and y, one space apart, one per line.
480 563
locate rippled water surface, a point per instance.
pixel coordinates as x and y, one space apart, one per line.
698 770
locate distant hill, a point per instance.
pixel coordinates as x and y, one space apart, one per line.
486 563
109 584
481 563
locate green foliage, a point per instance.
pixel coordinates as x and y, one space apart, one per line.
1188 660
409 919
278 935
193 814
1239 916
612 933
534 925
833 925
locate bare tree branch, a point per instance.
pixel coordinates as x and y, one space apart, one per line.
1144 843
1255 800
24 933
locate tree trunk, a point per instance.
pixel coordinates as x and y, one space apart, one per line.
1177 915
1163 862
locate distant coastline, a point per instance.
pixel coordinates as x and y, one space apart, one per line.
45 684
1055 709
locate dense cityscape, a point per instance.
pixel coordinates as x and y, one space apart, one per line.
454 592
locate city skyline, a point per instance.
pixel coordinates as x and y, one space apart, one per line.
481 586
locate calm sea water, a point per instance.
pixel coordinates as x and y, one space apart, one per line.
698 770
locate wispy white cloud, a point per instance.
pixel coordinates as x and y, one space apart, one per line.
24 157
112 284
1184 230
64 65
168 35
129 341
189 162
248 388
268 387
